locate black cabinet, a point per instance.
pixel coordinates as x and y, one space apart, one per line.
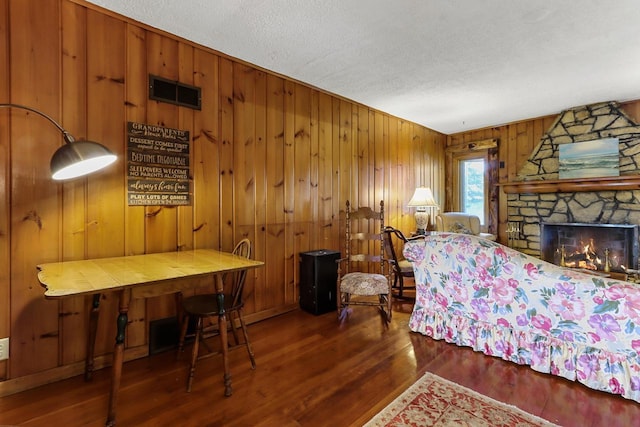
318 276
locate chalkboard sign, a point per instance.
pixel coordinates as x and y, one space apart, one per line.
158 167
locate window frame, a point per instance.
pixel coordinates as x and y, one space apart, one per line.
487 148
458 161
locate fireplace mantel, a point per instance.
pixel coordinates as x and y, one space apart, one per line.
610 183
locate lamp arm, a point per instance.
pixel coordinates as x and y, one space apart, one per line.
66 135
75 158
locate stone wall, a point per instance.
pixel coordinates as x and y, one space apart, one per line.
586 123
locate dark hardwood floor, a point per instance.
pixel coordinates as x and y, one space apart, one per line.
311 371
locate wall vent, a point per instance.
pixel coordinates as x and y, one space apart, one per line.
173 92
163 335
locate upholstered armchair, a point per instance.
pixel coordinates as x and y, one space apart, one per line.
461 222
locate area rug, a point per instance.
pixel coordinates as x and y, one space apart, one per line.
434 401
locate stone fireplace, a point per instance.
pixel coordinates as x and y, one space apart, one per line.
540 197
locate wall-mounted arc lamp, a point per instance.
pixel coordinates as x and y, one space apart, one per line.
74 158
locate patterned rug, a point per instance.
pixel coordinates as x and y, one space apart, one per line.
434 401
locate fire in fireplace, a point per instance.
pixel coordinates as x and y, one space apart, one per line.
603 247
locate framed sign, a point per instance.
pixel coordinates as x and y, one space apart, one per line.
158 168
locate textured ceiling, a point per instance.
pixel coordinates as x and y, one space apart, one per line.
449 65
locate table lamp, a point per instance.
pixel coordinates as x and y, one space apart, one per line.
421 200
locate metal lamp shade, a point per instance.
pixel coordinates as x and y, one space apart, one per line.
74 158
78 158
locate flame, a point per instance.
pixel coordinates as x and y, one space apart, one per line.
580 250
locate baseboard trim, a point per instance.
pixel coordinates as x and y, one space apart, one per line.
27 382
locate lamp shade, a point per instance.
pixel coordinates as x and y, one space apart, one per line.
74 158
78 158
422 197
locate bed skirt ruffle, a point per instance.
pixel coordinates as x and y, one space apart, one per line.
616 373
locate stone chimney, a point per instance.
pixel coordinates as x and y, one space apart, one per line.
579 124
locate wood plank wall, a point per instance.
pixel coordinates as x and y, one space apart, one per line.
272 159
516 141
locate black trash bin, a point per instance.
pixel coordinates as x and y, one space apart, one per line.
318 276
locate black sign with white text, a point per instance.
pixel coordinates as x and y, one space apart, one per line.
158 167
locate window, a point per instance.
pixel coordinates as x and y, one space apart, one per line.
472 181
472 187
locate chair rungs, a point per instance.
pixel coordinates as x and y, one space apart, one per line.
218 352
364 254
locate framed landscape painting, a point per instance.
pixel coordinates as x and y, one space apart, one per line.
590 159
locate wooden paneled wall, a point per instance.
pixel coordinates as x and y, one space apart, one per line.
272 159
516 141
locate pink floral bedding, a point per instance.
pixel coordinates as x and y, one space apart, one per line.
477 293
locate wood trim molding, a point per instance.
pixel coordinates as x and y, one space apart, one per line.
612 183
483 144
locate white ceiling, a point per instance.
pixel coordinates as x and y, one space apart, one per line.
450 65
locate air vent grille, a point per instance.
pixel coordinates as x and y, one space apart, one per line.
173 92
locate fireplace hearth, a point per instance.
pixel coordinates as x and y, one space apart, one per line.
601 247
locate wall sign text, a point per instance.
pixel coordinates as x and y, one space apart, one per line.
158 168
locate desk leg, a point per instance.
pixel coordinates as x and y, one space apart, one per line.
222 327
118 356
91 339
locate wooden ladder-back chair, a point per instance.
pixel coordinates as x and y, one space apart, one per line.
364 274
401 267
206 305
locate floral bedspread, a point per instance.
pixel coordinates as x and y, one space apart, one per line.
477 293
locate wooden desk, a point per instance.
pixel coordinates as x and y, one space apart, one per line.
140 276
